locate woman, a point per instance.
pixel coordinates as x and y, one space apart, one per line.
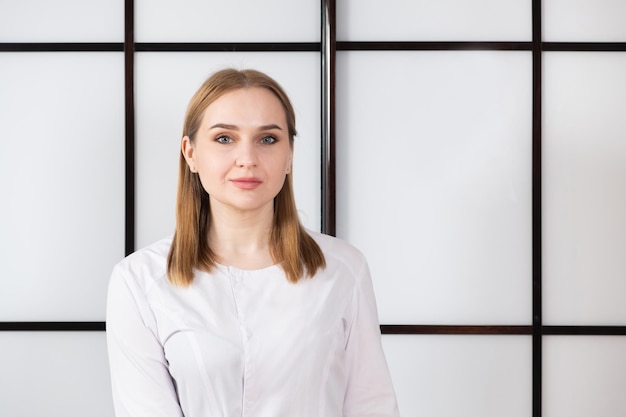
243 312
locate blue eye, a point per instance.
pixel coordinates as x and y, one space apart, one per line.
223 139
268 140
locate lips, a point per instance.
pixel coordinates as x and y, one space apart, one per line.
246 183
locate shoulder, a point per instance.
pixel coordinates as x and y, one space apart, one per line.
144 267
338 252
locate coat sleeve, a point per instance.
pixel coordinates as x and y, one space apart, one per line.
140 381
370 391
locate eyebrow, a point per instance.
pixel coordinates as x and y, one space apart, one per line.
234 127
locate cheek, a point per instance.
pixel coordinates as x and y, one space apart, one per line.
211 164
210 173
282 167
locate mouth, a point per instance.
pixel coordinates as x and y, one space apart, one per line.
246 183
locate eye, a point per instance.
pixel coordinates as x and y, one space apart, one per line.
223 139
268 140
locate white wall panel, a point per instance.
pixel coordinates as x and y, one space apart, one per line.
62 183
584 376
165 83
54 374
62 21
584 20
434 20
434 182
227 21
584 188
469 376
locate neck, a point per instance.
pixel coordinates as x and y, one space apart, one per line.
242 239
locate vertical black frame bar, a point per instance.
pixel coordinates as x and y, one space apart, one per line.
329 48
129 141
537 260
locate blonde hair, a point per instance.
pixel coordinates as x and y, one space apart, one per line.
290 245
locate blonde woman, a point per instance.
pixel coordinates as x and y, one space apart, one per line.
244 312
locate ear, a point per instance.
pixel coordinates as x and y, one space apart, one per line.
188 152
289 163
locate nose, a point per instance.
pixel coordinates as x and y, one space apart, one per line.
246 155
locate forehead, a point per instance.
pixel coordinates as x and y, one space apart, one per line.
247 104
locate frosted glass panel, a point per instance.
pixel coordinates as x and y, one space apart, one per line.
434 20
584 188
469 376
227 21
434 182
62 183
584 20
165 83
584 376
54 374
62 21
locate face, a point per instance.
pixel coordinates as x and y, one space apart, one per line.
241 150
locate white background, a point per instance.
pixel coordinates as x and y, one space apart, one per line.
434 185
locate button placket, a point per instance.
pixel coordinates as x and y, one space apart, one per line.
237 282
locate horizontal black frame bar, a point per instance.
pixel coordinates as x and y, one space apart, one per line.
503 330
398 329
312 46
165 47
447 329
434 46
480 46
62 47
52 326
584 330
230 47
584 46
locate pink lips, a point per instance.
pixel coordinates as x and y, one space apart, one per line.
246 183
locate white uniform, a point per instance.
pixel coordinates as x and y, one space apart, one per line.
247 343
